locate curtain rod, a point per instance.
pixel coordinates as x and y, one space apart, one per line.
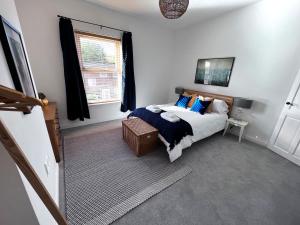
95 24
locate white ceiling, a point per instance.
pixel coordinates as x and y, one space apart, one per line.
198 10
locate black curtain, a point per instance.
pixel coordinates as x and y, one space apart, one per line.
77 106
128 84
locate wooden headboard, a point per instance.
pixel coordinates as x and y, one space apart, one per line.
227 99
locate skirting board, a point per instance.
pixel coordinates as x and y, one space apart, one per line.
69 125
256 140
252 139
289 157
266 144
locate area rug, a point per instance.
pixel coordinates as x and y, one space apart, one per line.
104 180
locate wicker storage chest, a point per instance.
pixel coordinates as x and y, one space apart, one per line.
139 135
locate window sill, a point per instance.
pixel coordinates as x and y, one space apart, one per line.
103 103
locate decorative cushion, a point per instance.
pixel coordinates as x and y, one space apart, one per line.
183 101
193 98
200 106
219 106
209 108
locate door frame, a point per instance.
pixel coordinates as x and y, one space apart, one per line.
292 94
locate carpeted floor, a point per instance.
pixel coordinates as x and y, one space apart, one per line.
231 184
104 179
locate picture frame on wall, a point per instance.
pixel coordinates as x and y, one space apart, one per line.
214 71
17 62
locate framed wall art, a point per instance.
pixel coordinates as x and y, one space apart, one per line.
214 71
16 58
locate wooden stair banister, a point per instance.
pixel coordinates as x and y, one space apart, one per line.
12 100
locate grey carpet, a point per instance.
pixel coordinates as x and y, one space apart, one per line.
104 179
231 184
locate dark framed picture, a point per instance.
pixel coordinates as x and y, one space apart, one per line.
16 58
214 71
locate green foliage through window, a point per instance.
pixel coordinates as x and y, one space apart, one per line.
96 54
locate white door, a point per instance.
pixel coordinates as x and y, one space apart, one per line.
286 137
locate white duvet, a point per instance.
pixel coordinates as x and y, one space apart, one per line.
203 126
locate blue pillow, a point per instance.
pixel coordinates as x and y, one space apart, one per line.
200 106
183 101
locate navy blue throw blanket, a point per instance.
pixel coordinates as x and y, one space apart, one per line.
172 132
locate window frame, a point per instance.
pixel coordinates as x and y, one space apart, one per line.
117 41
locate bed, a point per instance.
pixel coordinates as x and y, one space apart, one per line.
202 125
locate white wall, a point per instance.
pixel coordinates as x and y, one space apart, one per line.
30 133
152 46
265 39
14 199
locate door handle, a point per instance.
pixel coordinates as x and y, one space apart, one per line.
289 103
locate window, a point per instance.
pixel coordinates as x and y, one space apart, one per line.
100 62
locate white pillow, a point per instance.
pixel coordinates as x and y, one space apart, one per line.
219 106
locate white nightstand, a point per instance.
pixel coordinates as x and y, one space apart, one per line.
238 123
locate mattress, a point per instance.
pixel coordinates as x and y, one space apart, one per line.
203 126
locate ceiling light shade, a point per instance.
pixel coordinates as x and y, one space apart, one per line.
173 9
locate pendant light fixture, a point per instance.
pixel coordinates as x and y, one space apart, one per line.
173 9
